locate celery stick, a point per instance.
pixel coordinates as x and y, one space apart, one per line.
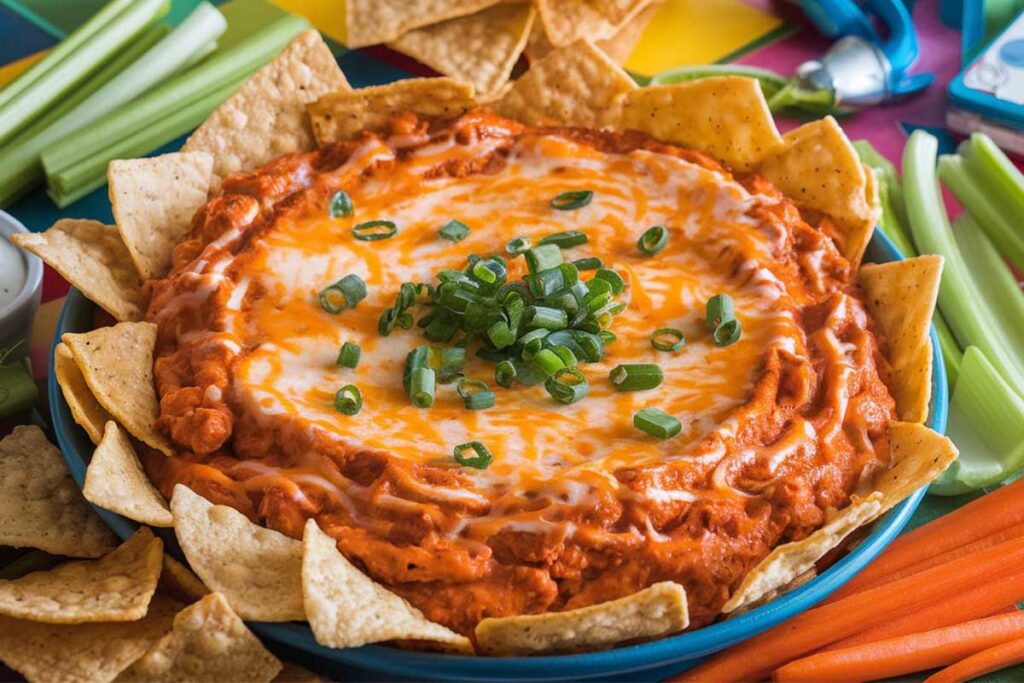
968 313
996 168
984 205
986 422
888 176
952 356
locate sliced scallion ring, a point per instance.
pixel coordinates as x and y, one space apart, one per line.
345 293
475 394
636 376
340 205
421 387
719 309
348 356
567 201
348 400
668 339
374 231
454 231
481 458
653 240
567 385
657 423
517 246
565 240
588 263
505 374
727 333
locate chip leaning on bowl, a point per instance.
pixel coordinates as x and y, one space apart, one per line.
701 390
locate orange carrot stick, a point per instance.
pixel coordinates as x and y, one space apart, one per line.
905 654
986 661
826 624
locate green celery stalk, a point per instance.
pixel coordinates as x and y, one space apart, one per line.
888 177
984 205
986 422
996 168
969 314
952 356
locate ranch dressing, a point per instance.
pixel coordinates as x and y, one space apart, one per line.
12 272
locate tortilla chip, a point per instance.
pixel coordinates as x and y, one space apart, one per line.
479 49
258 570
40 504
116 481
346 608
369 22
153 201
620 45
575 86
724 116
117 363
85 409
901 297
347 113
116 587
82 653
566 21
208 642
180 581
92 257
293 673
917 455
267 118
655 611
799 581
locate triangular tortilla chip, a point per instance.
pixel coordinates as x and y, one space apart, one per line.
901 297
620 45
257 569
293 673
369 22
116 481
116 587
40 504
85 409
180 581
346 608
566 21
917 455
655 611
117 363
208 642
267 117
344 114
82 653
479 49
153 201
92 257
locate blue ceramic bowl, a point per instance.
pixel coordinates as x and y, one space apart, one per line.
647 661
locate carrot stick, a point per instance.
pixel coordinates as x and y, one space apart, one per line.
828 623
981 517
986 661
905 654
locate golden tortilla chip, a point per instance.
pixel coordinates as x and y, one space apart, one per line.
40 504
620 45
117 363
576 86
86 410
917 455
369 22
267 117
346 608
153 201
655 611
566 21
799 581
116 587
208 642
180 581
901 297
116 481
82 653
293 673
724 116
258 570
92 257
479 49
347 113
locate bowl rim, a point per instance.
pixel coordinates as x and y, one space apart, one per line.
9 225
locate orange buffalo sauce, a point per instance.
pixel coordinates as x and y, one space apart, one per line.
577 506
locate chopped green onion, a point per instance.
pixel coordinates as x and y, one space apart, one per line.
612 278
341 205
481 460
421 387
668 339
475 394
542 257
548 362
517 246
349 355
565 240
374 231
547 318
657 422
343 294
452 360
505 374
588 263
636 376
500 335
348 400
727 333
484 274
454 231
607 336
718 310
653 240
566 355
567 385
567 201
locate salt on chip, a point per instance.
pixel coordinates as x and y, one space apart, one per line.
258 570
347 113
658 610
92 257
180 581
153 200
85 409
82 653
901 297
117 363
40 504
369 22
574 86
266 118
208 642
346 608
566 21
116 587
116 481
479 49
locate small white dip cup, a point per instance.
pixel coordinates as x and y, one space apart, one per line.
21 287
